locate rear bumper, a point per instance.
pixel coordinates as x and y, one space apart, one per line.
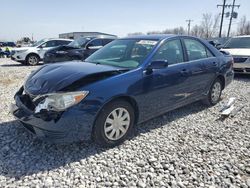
242 68
58 127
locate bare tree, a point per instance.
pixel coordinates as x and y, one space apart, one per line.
154 32
176 30
215 30
207 24
135 33
208 27
244 26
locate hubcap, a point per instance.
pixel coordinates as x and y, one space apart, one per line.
32 60
117 124
215 93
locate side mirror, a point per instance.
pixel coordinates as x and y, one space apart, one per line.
158 64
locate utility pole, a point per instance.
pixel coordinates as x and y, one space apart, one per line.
231 17
222 15
189 24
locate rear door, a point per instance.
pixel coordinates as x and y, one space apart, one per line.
202 66
46 46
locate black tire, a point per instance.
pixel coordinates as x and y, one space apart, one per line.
99 135
32 59
210 100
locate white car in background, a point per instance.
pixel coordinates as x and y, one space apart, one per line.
33 54
239 48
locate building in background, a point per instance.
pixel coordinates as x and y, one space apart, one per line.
76 35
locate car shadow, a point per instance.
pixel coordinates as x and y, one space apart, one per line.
22 154
242 77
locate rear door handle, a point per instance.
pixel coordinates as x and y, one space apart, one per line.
184 72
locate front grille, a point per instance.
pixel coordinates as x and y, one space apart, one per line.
240 59
238 70
27 101
247 69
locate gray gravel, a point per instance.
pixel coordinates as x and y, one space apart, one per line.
188 147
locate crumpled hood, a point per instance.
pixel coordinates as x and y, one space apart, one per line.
55 77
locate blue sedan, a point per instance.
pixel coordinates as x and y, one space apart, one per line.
129 81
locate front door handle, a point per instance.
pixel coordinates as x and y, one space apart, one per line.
215 64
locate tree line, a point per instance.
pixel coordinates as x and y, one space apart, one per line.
208 28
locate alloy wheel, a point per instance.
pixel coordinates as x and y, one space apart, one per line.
32 60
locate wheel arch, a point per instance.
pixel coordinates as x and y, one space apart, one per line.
32 53
222 79
126 98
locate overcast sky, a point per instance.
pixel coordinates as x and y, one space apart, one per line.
48 18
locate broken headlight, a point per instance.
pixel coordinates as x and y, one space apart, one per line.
59 101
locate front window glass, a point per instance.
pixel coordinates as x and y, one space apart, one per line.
79 43
241 42
38 43
170 51
49 44
128 53
95 42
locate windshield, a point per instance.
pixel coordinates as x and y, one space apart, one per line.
38 43
127 53
79 43
241 42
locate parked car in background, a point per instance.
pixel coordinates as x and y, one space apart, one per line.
128 81
239 48
218 42
7 44
79 49
31 55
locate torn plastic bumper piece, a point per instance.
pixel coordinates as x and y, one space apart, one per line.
57 127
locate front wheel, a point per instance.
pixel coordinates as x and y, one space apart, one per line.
114 123
214 94
32 59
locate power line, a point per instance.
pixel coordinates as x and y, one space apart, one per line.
222 15
189 25
231 17
233 14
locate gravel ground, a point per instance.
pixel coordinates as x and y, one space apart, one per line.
188 147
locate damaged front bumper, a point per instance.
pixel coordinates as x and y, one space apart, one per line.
74 124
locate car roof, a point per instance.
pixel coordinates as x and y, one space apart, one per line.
47 39
242 36
151 37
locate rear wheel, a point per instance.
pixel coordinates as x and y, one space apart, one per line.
214 94
114 123
32 59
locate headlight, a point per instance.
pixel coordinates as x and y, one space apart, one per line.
61 52
20 51
59 101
